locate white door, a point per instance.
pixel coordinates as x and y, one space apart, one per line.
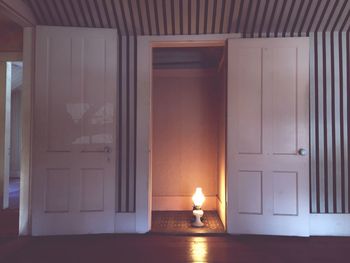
268 136
73 187
5 132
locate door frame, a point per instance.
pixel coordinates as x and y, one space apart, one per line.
145 44
5 130
27 57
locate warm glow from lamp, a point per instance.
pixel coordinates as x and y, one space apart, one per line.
198 198
199 249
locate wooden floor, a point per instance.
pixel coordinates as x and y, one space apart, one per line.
9 217
9 222
162 248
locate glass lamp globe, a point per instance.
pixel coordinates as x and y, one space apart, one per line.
198 198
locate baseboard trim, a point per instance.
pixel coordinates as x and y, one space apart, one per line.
125 222
172 203
221 211
329 224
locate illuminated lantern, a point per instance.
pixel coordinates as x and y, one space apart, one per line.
198 199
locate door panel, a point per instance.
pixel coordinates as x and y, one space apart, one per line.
57 190
284 90
74 131
249 116
268 88
92 189
58 94
285 193
250 201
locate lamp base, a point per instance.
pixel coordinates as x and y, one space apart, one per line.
198 214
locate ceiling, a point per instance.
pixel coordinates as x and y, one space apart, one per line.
7 25
187 57
11 35
172 17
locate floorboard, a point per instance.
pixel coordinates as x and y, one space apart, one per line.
9 222
9 217
163 248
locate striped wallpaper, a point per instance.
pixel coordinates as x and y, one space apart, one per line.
329 69
175 17
329 129
126 158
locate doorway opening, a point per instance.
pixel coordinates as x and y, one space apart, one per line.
188 138
11 108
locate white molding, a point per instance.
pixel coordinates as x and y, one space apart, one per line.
143 137
26 135
18 11
7 135
3 181
221 210
143 149
11 56
125 222
329 224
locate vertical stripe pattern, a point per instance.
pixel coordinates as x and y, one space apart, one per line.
162 17
126 125
329 116
327 22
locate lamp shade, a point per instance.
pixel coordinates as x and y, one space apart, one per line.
198 197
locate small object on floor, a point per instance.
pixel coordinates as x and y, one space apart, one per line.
198 214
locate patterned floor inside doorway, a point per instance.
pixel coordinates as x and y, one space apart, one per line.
179 222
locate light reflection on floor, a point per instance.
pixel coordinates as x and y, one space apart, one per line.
199 249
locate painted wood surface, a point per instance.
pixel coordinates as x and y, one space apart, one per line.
26 131
74 132
221 169
267 125
3 143
5 129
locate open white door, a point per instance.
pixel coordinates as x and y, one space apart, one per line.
5 132
73 185
268 136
